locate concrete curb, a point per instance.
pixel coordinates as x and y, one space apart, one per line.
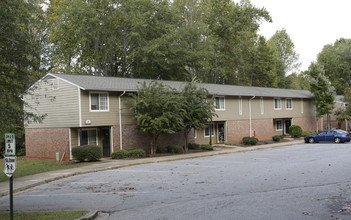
116 165
91 215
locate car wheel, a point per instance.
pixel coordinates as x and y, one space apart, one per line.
337 140
311 140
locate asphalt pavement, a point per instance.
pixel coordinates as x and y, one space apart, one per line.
23 183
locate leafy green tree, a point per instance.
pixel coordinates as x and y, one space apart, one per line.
323 91
336 59
197 109
21 38
285 56
157 110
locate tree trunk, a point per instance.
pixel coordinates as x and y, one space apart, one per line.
153 144
186 134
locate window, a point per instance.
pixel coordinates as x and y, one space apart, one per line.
207 130
240 105
289 104
279 125
99 101
277 104
219 103
262 106
88 137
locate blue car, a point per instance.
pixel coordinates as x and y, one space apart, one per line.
336 136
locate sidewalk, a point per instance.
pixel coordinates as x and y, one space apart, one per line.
23 183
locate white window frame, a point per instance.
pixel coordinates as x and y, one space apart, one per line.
280 104
90 129
99 110
220 97
262 105
286 104
301 106
212 130
281 125
240 105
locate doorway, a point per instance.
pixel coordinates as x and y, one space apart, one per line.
221 133
287 125
106 147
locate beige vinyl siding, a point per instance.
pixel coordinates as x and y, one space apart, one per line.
60 104
231 111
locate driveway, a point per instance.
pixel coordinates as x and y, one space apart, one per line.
310 181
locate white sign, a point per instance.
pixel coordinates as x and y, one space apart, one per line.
10 144
10 165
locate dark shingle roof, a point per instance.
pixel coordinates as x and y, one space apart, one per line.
103 83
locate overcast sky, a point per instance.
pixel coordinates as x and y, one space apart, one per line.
311 24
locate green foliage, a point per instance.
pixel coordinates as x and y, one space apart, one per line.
56 215
136 153
336 60
87 152
250 140
175 149
276 138
194 146
295 131
306 133
196 111
157 110
119 154
323 91
206 147
161 150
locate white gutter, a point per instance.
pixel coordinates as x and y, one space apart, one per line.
250 114
120 121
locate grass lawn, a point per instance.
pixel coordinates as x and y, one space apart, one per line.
61 215
30 167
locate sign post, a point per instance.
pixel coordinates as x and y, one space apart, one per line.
10 164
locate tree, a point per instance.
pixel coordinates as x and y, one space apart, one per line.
323 91
197 109
21 38
285 56
157 110
336 59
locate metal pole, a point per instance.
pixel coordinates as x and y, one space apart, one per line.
11 198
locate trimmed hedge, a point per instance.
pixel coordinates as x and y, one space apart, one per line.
136 153
87 152
206 147
250 140
295 131
276 138
175 149
119 154
194 146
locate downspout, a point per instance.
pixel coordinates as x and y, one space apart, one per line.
250 114
120 121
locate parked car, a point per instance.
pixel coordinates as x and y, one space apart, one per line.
336 136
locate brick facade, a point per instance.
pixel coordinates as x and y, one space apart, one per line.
306 123
134 138
43 143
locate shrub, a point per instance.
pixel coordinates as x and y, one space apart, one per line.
281 137
119 154
306 133
276 138
194 146
206 147
136 153
250 140
161 150
89 152
175 149
295 131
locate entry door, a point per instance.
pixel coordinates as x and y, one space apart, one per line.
106 147
287 126
221 133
